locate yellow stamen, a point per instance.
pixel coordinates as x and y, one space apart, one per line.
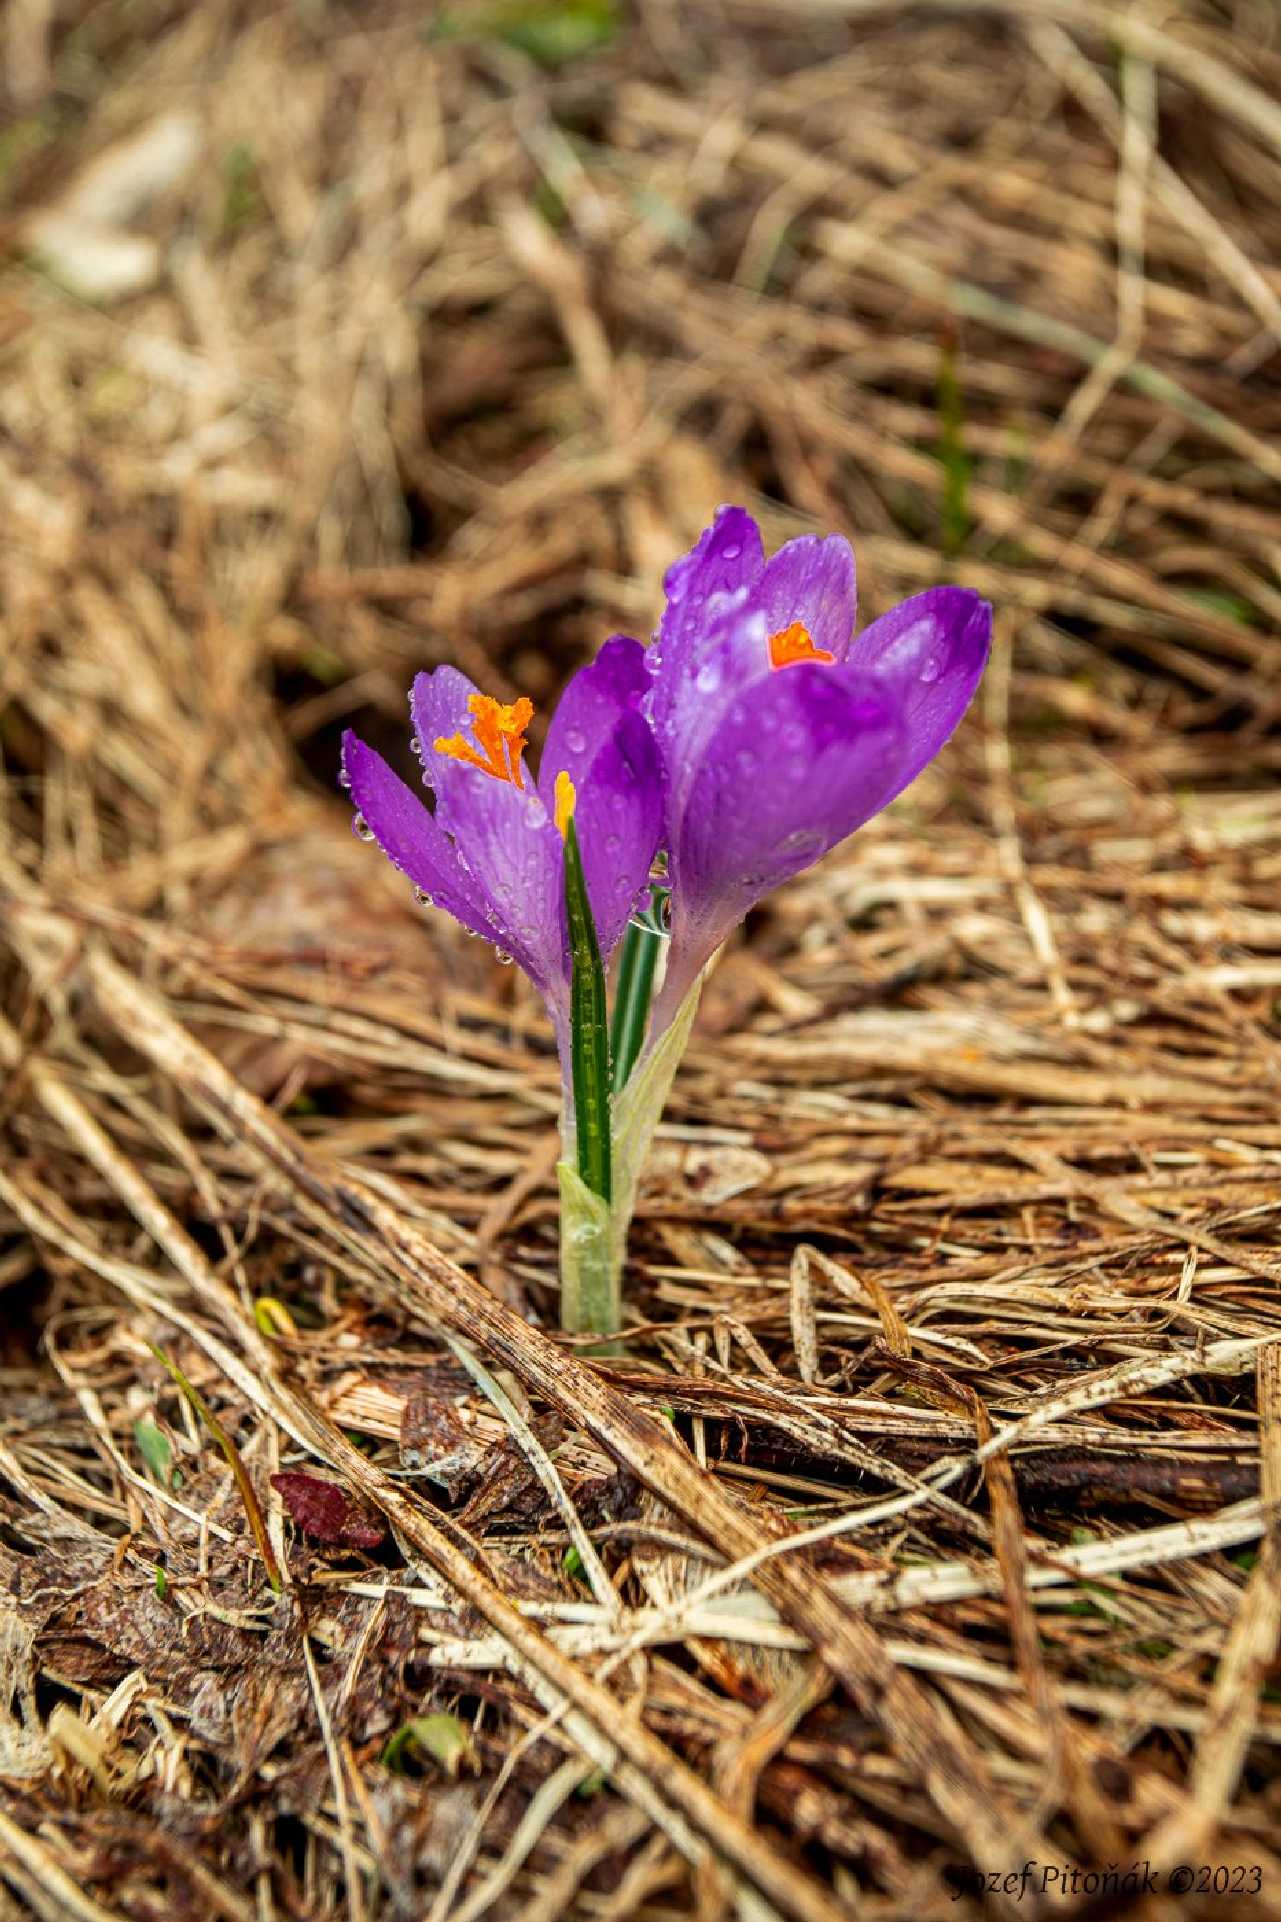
793 644
566 802
500 737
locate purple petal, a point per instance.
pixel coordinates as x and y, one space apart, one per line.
812 581
593 703
726 556
801 759
619 818
497 870
507 842
409 836
726 559
689 698
438 705
931 650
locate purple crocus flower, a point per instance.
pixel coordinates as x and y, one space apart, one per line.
780 732
491 851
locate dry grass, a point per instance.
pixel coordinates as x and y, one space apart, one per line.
927 1519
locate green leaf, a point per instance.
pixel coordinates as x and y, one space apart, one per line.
156 1450
633 992
588 1028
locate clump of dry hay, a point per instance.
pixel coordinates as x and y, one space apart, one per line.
955 1281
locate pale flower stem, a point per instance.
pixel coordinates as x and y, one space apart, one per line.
590 1260
593 1232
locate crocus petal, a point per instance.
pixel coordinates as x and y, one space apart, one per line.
513 856
618 819
797 762
593 703
438 706
811 581
726 559
931 651
687 701
726 556
409 836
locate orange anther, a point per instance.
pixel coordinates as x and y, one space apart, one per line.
792 644
500 737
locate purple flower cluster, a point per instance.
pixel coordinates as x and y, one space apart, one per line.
753 735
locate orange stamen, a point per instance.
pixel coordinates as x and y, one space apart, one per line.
792 644
500 737
566 802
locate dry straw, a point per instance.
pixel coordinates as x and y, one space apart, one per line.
927 1518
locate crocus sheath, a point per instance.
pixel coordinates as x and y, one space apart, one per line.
780 730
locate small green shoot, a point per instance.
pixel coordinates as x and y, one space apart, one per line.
445 1739
157 1451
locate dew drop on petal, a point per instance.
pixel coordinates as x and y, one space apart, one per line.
708 678
361 828
503 956
932 667
423 899
575 740
732 552
344 779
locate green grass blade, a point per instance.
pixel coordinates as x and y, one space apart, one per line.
200 1407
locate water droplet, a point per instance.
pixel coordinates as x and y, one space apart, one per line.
612 844
575 740
708 678
361 828
344 779
932 666
415 747
503 957
423 899
732 552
